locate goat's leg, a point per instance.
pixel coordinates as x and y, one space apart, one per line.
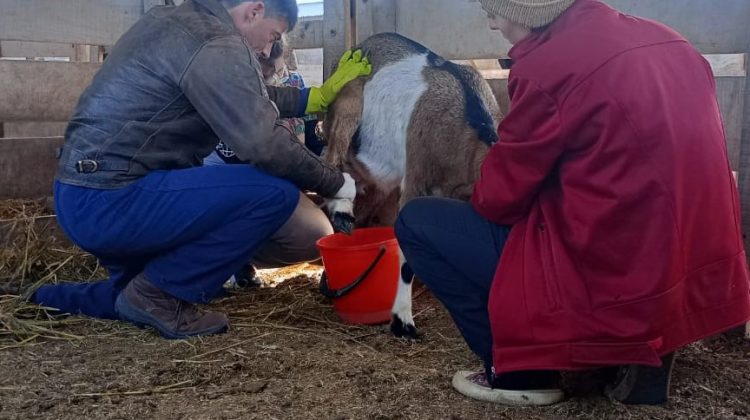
402 322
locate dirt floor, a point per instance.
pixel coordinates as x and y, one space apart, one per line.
287 356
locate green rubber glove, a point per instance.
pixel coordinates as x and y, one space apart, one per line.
351 65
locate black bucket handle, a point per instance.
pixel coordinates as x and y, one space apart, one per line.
337 293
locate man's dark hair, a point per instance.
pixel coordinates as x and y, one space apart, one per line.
277 50
280 9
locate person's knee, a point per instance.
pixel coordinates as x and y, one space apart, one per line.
307 249
318 229
307 225
295 242
412 214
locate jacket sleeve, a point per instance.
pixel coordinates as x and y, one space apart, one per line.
226 89
517 165
290 101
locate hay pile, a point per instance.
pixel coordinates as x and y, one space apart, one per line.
33 252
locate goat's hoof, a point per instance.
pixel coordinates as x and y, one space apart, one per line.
403 330
343 222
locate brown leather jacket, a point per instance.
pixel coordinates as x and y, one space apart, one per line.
181 79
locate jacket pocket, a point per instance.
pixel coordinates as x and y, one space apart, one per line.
549 269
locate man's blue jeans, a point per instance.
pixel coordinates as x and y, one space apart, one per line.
188 230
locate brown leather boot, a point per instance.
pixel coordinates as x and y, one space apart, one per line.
143 304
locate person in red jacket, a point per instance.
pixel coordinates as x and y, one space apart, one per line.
604 230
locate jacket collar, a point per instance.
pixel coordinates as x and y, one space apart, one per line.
542 35
217 9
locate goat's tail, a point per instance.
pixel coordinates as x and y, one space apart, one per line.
475 112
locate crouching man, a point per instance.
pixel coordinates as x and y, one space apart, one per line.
131 188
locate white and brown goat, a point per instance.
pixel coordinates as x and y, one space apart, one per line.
418 126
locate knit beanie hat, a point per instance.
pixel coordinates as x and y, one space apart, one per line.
529 13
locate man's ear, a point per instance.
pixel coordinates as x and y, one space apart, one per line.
255 11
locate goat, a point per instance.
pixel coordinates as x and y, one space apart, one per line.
419 125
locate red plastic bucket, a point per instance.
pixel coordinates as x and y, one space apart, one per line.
361 274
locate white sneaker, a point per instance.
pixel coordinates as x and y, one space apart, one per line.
475 385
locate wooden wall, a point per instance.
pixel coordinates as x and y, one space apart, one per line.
31 91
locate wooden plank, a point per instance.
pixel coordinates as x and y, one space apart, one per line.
32 50
500 90
433 22
42 91
2 126
307 34
454 29
730 94
35 129
727 65
744 169
722 66
27 166
82 53
436 24
714 27
36 49
98 22
374 16
337 33
747 325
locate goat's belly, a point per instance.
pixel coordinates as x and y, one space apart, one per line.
389 101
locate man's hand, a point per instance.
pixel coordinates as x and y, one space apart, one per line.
351 65
341 206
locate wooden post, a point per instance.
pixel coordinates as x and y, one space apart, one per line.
82 53
42 91
31 164
101 53
744 172
337 32
374 17
2 129
62 22
308 34
730 71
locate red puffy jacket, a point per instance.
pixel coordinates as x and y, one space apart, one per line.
612 168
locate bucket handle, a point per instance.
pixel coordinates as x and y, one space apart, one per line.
337 293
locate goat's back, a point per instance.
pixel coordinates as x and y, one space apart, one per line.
386 48
418 121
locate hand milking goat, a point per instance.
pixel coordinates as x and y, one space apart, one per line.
418 126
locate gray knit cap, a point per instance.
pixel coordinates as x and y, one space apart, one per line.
529 13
